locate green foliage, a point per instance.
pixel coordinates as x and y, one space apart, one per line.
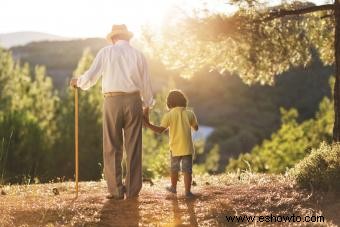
90 130
25 153
211 163
245 43
213 159
27 114
320 169
241 115
291 143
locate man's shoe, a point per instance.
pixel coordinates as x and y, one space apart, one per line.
134 197
115 197
171 189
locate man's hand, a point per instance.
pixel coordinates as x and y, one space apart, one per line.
73 82
146 122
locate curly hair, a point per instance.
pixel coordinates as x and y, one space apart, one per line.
176 98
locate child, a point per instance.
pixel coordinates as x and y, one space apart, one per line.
179 121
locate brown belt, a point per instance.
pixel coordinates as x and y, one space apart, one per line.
119 93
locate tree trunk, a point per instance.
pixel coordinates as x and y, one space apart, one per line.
336 127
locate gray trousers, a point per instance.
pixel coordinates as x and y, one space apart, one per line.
122 126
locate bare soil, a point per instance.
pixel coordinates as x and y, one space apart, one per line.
216 197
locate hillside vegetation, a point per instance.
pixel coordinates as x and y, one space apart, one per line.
242 116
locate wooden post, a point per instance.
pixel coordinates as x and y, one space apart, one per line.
76 137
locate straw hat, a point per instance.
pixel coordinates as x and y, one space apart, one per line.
118 29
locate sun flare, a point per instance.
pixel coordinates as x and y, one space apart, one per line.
90 18
87 18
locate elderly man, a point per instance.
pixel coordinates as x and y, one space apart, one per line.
127 96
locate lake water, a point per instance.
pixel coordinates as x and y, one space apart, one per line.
203 133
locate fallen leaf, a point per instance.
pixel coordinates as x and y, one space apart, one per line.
55 191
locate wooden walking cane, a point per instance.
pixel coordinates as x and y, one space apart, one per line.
76 136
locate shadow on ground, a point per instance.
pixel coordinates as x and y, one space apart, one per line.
35 205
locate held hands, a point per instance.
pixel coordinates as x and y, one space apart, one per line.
147 124
73 82
146 120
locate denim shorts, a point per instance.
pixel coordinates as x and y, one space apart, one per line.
184 161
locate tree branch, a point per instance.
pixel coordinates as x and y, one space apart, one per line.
282 13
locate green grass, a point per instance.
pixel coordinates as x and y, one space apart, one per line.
3 156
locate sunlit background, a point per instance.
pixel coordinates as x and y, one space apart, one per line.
90 18
260 82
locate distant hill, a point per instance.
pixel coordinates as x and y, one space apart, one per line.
61 58
8 40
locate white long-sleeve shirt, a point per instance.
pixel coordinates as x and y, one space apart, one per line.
123 69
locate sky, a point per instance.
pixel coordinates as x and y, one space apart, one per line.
94 18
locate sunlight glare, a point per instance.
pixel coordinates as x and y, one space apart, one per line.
94 18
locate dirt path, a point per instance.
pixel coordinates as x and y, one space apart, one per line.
217 197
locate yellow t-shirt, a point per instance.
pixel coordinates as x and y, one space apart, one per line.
179 120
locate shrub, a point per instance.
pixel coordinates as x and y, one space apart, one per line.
290 144
321 168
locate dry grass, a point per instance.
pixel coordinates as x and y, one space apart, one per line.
217 196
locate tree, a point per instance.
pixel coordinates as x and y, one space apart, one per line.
27 114
257 42
290 144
